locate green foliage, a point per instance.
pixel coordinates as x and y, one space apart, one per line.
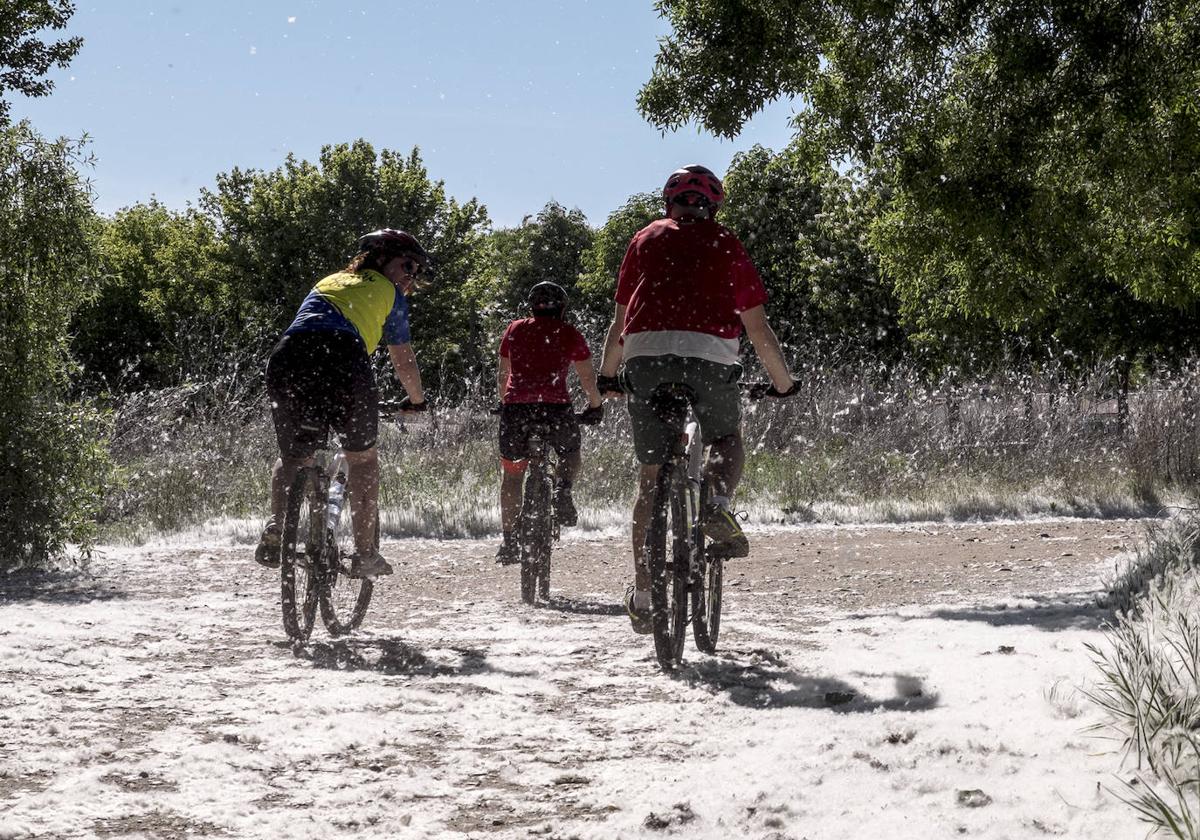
52 462
1042 158
162 312
601 262
24 58
549 246
806 227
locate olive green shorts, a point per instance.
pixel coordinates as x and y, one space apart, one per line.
718 401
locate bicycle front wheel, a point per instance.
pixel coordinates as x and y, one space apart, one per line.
302 540
344 599
668 547
536 535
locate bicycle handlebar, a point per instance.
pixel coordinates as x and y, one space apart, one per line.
587 417
404 409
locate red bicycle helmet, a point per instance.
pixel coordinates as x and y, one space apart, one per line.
695 179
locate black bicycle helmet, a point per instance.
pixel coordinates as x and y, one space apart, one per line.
392 242
547 298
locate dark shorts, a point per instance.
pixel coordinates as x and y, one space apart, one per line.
319 381
518 419
718 401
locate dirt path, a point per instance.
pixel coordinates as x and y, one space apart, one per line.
157 697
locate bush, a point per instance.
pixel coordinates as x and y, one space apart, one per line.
52 457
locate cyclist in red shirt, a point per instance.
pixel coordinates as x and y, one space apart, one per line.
535 355
686 291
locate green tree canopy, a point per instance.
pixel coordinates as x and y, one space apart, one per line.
24 57
548 246
1037 153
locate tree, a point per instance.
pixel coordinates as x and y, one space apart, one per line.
1038 154
602 260
806 228
52 459
24 59
548 246
162 312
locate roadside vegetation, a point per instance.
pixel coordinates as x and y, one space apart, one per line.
1148 680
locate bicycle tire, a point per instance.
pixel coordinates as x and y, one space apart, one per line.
302 535
536 530
344 600
668 580
706 603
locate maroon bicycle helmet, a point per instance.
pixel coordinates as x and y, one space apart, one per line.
695 179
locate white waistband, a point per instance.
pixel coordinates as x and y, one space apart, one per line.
696 345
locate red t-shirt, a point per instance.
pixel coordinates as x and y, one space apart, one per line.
540 351
692 277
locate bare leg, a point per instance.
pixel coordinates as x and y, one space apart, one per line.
363 486
569 466
726 460
511 485
641 521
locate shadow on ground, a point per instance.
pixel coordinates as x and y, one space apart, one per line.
395 657
1050 613
581 607
761 679
72 586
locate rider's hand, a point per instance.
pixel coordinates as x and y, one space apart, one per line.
765 389
609 385
407 406
592 415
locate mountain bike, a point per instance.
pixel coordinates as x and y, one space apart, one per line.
538 527
317 540
689 573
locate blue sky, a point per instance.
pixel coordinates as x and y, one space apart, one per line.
515 103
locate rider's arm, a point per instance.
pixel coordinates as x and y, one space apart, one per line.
587 380
611 360
404 362
766 345
503 369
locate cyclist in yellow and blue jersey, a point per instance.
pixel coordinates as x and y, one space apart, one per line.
319 377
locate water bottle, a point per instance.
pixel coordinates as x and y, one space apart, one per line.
337 495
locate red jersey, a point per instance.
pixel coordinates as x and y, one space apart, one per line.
540 351
684 287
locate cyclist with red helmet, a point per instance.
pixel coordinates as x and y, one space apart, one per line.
686 291
535 356
319 376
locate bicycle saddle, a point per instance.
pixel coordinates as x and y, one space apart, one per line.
670 402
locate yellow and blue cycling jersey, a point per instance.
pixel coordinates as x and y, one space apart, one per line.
364 303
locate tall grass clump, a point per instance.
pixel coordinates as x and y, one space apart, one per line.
1149 678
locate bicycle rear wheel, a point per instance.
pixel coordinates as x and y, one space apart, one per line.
668 546
302 540
536 535
344 599
706 602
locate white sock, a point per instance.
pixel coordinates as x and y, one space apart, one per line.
720 501
641 599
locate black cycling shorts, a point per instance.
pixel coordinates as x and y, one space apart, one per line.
317 381
517 421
